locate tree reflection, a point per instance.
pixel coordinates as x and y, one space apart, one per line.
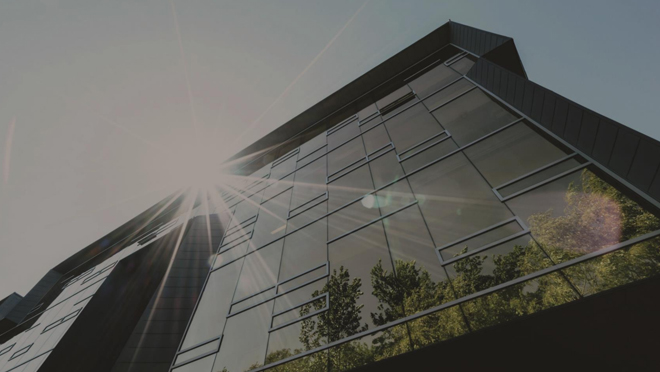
596 216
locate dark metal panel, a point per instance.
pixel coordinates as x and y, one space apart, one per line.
490 82
497 81
528 98
511 88
548 109
588 132
537 105
624 152
559 119
573 124
520 92
645 165
604 141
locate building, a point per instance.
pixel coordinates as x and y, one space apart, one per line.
440 211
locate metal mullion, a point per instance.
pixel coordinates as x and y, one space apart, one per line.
446 305
452 99
535 171
285 157
276 195
545 182
308 208
319 311
348 169
432 65
356 99
413 147
389 144
600 167
341 125
301 304
486 247
455 58
306 203
371 222
307 156
197 345
303 273
483 231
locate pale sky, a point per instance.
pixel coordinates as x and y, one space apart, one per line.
100 100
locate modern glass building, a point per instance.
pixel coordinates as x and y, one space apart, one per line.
441 211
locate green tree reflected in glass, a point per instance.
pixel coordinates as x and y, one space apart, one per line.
596 216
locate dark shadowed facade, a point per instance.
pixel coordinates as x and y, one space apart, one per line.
439 212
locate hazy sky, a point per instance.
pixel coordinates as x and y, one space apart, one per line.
100 100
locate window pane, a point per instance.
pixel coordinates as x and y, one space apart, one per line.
345 155
481 240
343 134
471 116
369 349
300 295
581 213
244 341
309 183
455 200
448 93
497 265
312 145
511 153
277 187
427 153
393 97
433 80
624 266
385 169
259 271
271 223
463 65
304 250
316 210
202 365
352 259
367 112
283 168
349 187
209 318
518 300
375 139
394 197
538 177
352 217
292 340
412 126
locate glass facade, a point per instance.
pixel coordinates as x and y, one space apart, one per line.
418 215
431 213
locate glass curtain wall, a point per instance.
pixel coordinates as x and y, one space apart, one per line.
434 212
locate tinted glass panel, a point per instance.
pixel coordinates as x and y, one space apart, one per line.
412 126
209 318
343 134
511 153
471 116
427 153
352 260
376 138
581 213
349 187
448 93
309 183
455 200
271 223
304 249
248 332
345 155
433 80
259 271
